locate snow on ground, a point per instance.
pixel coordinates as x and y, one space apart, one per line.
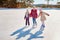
13 19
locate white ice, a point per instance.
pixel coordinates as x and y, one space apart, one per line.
13 19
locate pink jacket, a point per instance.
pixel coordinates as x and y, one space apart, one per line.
33 13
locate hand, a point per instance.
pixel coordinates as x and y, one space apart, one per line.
37 16
48 15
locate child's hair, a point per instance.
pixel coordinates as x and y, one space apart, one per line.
27 11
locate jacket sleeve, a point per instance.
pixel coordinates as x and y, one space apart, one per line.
24 16
31 13
36 13
46 14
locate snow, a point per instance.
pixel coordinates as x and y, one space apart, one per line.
13 19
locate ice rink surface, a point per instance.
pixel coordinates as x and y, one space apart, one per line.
13 19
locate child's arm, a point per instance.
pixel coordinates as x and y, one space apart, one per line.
40 14
24 16
46 14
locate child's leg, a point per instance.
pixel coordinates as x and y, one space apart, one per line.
34 22
28 22
43 24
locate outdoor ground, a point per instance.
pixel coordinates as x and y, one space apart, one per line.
13 19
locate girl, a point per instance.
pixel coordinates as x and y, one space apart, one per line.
34 15
43 18
27 18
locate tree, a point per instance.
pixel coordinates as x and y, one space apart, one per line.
48 2
7 3
1 2
25 2
29 2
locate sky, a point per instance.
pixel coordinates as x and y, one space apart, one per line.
45 2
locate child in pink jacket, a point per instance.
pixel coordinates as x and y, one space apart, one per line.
34 15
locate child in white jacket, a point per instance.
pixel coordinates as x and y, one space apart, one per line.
43 18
